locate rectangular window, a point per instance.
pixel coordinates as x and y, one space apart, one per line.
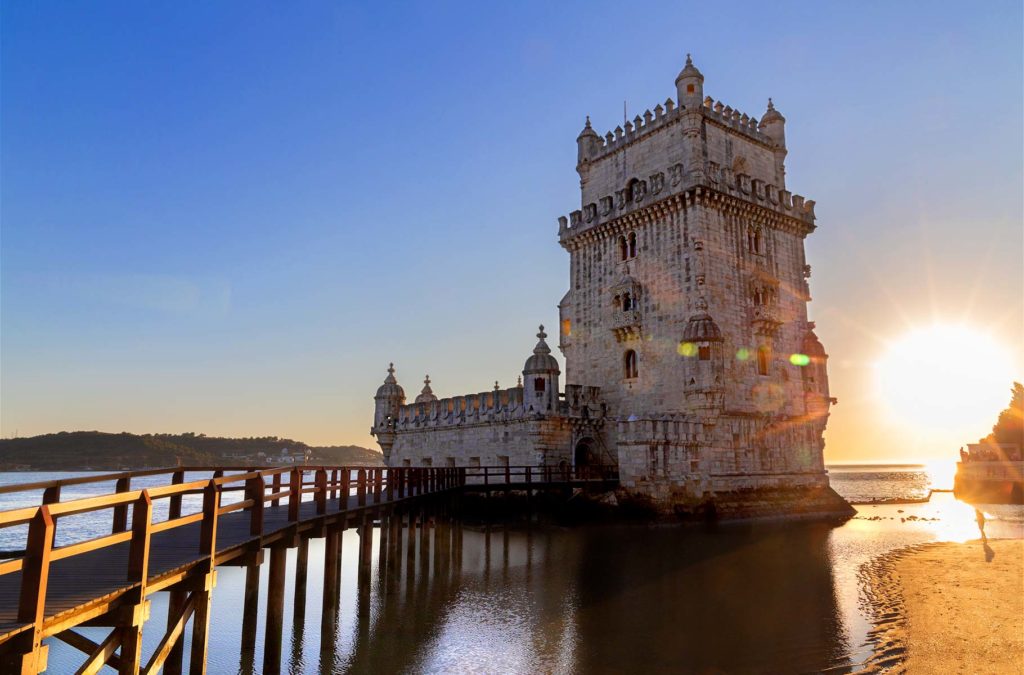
450 461
427 461
502 460
406 462
704 353
474 462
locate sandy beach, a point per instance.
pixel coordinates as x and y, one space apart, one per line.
949 608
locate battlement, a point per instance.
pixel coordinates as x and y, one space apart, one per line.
674 429
495 406
734 119
722 179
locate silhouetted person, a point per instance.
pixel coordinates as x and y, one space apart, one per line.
980 518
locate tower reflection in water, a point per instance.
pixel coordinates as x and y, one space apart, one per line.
452 597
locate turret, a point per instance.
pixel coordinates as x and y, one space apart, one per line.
815 374
702 347
427 394
588 143
773 125
540 375
389 398
690 86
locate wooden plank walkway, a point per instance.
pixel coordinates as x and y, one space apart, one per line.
106 580
81 581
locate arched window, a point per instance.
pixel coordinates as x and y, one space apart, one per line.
627 302
632 244
704 352
763 357
623 249
629 365
538 385
759 297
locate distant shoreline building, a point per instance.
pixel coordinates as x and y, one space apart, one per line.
690 361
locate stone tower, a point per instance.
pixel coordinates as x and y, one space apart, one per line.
688 298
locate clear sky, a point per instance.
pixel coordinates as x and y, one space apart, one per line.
229 217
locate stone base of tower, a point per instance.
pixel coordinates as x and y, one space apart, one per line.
725 467
819 501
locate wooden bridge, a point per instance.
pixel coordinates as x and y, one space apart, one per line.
47 590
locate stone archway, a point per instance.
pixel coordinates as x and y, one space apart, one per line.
585 457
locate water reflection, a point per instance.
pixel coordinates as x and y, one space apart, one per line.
593 600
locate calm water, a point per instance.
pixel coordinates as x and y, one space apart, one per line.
735 599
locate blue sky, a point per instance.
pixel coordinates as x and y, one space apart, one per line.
229 217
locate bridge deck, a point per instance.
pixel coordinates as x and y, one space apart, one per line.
98 577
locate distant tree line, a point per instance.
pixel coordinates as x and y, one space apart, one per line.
79 450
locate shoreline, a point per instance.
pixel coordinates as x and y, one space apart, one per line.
947 607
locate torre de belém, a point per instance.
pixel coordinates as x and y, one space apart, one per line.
690 362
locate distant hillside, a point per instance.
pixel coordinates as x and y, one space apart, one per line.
77 450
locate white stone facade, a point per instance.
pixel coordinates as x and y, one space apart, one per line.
690 361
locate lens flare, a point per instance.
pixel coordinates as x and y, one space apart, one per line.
799 359
687 349
742 354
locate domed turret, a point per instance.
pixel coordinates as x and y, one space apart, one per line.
541 361
587 143
390 388
427 394
702 328
773 125
540 373
389 398
690 86
812 346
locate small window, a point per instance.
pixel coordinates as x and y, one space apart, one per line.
474 461
406 462
632 244
427 461
630 365
450 461
759 297
754 240
763 357
538 385
627 302
689 89
502 460
704 352
623 249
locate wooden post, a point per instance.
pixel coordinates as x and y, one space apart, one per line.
361 487
390 481
256 490
400 477
138 571
176 599
346 488
320 478
330 592
35 573
275 611
378 477
250 607
275 487
301 565
174 504
295 494
204 591
120 523
51 495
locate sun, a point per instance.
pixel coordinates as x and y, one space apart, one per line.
945 380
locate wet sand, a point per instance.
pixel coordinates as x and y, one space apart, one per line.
948 608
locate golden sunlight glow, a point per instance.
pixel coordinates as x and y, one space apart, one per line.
945 379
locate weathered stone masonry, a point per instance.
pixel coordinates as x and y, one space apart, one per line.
690 360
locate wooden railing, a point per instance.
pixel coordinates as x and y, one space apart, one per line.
310 494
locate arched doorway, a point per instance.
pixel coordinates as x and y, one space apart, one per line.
584 458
